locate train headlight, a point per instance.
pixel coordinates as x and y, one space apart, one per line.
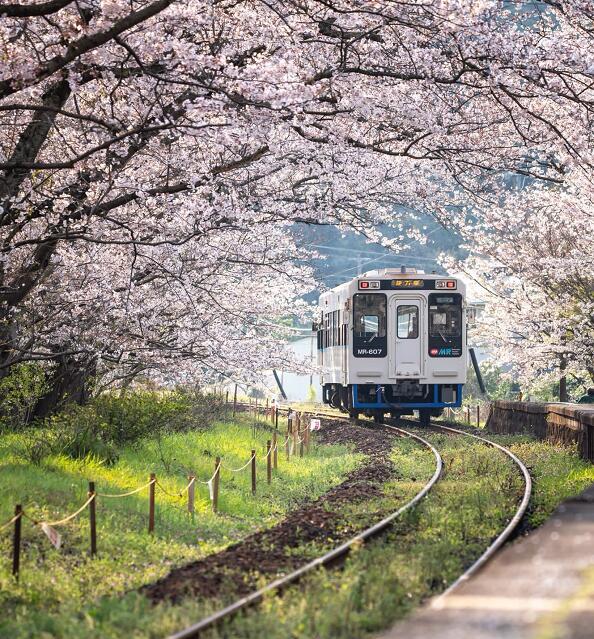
369 284
441 284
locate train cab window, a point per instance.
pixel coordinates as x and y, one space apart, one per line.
369 325
407 322
445 325
445 316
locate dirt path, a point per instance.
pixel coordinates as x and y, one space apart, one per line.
237 568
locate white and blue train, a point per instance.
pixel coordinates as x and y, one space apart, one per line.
393 342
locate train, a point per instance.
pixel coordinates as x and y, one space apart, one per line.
393 342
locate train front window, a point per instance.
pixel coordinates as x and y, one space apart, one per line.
445 317
445 325
369 325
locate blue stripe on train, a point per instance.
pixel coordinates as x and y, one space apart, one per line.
434 404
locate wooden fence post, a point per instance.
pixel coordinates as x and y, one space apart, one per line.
16 541
215 485
468 415
269 461
191 494
234 400
151 525
287 446
306 436
275 450
93 519
295 437
275 416
478 415
253 472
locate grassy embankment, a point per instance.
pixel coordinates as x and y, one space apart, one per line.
62 592
379 583
385 579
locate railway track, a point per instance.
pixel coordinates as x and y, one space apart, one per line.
342 550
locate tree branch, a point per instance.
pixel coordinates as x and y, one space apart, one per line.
32 10
85 44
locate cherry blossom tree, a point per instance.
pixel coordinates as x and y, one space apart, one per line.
534 262
155 155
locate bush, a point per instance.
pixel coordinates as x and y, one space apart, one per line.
35 444
130 417
111 421
20 391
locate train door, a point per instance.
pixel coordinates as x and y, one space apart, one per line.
407 341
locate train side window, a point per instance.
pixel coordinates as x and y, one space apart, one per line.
335 328
407 322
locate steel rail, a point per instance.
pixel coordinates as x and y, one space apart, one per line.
505 534
507 531
339 551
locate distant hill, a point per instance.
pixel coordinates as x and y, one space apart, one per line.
348 256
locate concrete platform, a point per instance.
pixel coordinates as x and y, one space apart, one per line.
539 587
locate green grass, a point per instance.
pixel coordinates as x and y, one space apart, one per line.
379 583
55 584
385 579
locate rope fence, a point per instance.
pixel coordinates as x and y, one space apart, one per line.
10 522
132 492
296 433
471 415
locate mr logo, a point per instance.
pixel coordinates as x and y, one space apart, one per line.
441 352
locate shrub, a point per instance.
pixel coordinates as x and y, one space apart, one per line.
110 421
35 444
20 391
130 417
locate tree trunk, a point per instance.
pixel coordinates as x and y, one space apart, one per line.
563 396
70 383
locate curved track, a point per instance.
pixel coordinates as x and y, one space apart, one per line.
343 549
507 531
333 555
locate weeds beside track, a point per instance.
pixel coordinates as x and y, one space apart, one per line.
339 552
323 560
